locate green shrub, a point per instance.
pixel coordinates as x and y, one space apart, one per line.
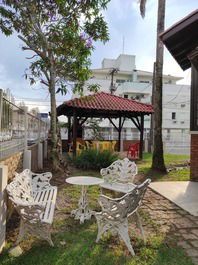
92 159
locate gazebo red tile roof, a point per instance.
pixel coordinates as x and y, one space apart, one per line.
104 105
102 101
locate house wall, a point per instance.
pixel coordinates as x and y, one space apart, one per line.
194 158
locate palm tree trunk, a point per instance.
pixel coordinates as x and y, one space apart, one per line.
158 158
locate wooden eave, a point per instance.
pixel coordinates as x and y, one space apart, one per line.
182 38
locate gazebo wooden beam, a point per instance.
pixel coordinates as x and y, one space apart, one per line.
119 133
83 121
136 124
121 123
141 136
113 124
74 131
69 133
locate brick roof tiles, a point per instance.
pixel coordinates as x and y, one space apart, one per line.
108 102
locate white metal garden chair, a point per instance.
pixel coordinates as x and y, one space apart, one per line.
119 176
115 213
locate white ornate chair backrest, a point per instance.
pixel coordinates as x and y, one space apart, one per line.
118 209
123 171
134 198
40 181
20 189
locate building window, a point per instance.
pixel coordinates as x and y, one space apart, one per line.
120 81
126 96
183 105
173 115
144 81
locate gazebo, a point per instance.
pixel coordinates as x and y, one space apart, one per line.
105 105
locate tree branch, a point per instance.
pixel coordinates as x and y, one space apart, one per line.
31 47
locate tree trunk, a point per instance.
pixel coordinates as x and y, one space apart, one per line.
54 139
158 158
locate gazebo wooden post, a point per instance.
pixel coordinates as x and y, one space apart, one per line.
69 133
119 133
141 136
74 131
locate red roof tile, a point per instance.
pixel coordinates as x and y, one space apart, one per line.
108 102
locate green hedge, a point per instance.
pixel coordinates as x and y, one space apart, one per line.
92 159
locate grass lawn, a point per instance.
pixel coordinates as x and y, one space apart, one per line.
144 168
75 243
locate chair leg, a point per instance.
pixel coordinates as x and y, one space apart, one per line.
140 226
123 232
57 207
102 228
44 233
49 240
21 232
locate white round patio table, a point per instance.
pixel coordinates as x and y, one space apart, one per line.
83 213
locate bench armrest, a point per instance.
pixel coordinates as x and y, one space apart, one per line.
31 213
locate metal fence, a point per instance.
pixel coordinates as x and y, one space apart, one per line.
177 142
18 129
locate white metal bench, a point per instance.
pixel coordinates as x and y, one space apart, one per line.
119 176
115 213
34 199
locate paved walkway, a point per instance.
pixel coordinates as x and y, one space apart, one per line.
177 224
182 193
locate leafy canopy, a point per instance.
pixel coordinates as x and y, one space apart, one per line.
60 33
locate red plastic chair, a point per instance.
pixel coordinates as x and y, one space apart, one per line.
133 150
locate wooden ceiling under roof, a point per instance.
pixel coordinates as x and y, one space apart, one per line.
182 38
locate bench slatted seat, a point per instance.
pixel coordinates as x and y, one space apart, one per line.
119 176
34 199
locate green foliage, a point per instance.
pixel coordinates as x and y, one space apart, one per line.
60 34
93 124
92 159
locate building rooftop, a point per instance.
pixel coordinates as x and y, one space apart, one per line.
139 72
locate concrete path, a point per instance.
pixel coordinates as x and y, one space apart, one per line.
178 225
182 193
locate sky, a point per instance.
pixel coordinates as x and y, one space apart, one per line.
124 22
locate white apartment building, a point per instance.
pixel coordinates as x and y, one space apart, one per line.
132 83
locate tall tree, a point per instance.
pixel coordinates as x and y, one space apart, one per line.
59 33
158 156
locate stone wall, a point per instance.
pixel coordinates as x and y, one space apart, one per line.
14 163
3 183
